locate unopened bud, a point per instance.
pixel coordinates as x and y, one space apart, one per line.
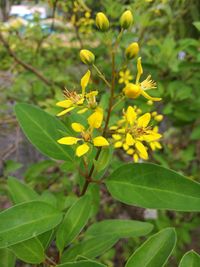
132 50
132 90
87 57
126 19
159 117
102 22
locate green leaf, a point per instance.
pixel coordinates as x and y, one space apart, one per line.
197 25
90 248
46 238
152 186
119 228
43 131
7 258
11 166
20 192
84 263
104 159
74 220
155 251
30 251
195 135
190 259
25 221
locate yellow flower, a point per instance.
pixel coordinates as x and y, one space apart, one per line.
125 76
82 101
86 135
133 134
132 90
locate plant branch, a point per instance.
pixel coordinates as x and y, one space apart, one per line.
88 179
26 65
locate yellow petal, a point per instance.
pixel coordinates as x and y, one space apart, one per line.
118 144
129 140
131 115
130 151
82 150
68 140
135 157
144 120
77 127
64 104
142 150
95 120
100 141
84 81
83 110
150 97
139 69
65 111
125 146
116 137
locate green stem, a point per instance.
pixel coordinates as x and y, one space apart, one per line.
101 75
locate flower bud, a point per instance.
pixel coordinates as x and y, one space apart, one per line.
159 117
132 90
132 50
126 19
102 22
87 57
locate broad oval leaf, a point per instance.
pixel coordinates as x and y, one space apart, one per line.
155 251
7 258
190 259
119 228
43 131
74 220
152 186
90 248
84 263
30 251
25 221
20 192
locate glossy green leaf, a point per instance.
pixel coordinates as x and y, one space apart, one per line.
46 238
20 192
25 221
155 251
74 220
7 258
30 251
119 228
190 259
84 263
152 186
90 248
43 131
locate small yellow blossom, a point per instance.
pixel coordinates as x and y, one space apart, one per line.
86 137
82 101
133 134
125 76
132 90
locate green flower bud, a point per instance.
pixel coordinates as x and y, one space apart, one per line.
132 50
87 57
126 19
102 22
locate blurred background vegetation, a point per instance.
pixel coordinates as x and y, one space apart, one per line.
39 56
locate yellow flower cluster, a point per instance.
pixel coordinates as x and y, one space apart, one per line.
133 132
